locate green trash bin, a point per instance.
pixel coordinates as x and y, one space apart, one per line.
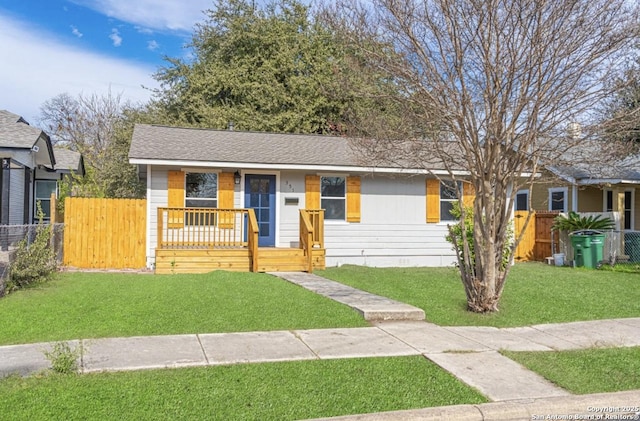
597 248
582 253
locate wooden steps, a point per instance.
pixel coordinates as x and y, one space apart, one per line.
281 260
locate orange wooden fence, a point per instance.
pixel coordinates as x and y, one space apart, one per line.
105 233
536 243
526 248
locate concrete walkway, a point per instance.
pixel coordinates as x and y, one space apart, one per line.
469 353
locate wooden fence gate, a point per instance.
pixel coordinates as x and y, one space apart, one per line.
537 241
526 248
105 233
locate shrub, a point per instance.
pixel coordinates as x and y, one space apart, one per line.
33 262
575 222
455 235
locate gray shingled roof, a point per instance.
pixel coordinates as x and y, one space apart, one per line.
68 160
187 144
15 132
597 160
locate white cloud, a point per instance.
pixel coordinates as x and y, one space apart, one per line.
115 37
177 15
37 66
75 31
153 45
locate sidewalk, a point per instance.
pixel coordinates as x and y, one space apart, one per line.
469 353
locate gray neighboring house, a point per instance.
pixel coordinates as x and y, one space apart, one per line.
31 168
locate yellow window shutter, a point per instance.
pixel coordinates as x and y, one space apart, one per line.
225 199
312 192
175 198
433 200
353 199
468 193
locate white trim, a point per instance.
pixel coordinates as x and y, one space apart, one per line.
574 198
243 173
632 210
272 167
201 171
592 181
151 256
604 200
344 196
613 199
564 190
525 192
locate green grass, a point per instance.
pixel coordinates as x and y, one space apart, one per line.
534 293
586 371
273 391
94 305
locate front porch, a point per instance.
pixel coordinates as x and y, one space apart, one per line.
198 240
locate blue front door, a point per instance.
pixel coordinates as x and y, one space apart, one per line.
260 195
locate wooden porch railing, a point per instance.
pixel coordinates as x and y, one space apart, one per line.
206 228
202 227
311 233
252 237
316 218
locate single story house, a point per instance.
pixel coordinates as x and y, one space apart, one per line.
315 204
600 182
31 167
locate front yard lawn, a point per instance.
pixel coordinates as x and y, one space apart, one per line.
586 370
534 293
95 305
271 391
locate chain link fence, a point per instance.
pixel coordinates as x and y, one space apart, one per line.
620 248
10 237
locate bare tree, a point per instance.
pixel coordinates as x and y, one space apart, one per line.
85 124
489 89
99 126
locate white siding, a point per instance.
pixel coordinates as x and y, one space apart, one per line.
392 231
157 197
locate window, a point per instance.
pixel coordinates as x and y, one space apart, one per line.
522 200
449 191
44 190
201 192
558 199
628 210
608 200
332 197
628 206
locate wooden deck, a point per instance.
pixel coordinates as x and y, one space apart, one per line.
236 259
203 240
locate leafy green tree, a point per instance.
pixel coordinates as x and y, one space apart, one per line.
264 68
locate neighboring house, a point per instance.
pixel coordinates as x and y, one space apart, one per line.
382 216
605 184
31 167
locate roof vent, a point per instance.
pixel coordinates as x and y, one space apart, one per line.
231 126
574 130
35 148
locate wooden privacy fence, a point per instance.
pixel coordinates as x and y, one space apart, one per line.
536 243
105 233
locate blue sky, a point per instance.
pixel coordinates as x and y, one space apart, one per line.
48 47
